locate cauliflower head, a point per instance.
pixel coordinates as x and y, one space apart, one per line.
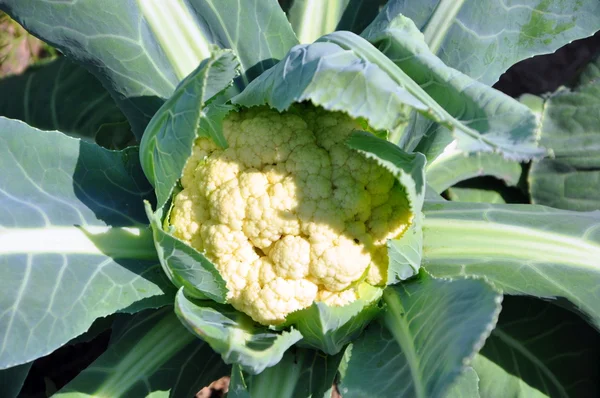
287 212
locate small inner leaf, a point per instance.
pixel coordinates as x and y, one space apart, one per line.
233 334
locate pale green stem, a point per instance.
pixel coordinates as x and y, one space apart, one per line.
440 22
312 19
278 381
177 33
458 239
159 345
123 242
398 326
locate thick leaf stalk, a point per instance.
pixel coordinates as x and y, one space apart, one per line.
521 249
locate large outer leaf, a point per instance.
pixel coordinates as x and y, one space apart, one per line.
483 38
67 253
571 128
433 328
504 123
465 386
233 334
61 95
149 353
12 379
141 49
522 249
549 348
496 382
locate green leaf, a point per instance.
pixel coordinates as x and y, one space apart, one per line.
432 329
60 95
571 128
12 379
481 118
486 190
140 50
233 334
330 329
301 373
465 386
455 166
184 265
238 388
99 326
474 195
337 79
496 382
483 47
166 146
72 244
149 353
359 14
432 196
169 138
548 347
522 249
312 19
344 72
404 253
560 184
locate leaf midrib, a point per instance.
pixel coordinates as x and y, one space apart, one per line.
134 243
440 23
401 331
552 247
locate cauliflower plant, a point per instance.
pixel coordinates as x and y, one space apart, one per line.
288 213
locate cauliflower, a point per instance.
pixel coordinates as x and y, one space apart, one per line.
288 213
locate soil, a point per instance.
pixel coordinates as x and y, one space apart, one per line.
216 389
18 49
52 372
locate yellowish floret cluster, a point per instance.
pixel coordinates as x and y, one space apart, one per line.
288 213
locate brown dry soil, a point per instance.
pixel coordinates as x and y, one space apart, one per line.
18 49
219 388
216 389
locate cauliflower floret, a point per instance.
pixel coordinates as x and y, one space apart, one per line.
190 210
339 265
291 256
288 213
227 205
280 296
